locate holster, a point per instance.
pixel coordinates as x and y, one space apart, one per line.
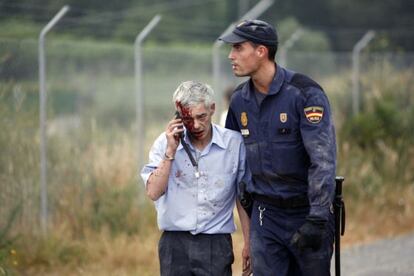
246 199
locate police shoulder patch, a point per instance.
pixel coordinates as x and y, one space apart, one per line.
314 114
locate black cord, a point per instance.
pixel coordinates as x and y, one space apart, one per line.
187 150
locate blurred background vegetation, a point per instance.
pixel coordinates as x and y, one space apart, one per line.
201 21
100 222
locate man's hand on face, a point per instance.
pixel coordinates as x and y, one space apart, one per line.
173 132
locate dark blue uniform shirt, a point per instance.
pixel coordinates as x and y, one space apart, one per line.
289 138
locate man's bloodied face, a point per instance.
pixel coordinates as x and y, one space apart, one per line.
197 120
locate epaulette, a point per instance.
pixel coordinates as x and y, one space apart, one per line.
302 82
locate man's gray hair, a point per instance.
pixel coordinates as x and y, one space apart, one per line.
191 93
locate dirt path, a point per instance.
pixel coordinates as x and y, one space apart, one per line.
382 258
388 257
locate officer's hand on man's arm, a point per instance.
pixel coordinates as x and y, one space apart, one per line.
310 234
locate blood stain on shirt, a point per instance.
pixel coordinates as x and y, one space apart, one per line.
178 174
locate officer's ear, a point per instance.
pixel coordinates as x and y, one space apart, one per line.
262 51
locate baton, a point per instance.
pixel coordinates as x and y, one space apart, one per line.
339 208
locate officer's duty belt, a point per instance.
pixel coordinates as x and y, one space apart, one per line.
286 203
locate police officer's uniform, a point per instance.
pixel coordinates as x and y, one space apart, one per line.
291 151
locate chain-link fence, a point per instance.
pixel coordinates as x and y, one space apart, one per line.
91 123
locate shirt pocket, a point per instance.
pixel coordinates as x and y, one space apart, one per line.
288 153
221 188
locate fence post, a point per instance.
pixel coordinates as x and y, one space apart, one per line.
43 117
216 69
361 44
287 45
139 95
253 13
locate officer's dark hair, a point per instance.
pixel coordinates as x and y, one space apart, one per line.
271 50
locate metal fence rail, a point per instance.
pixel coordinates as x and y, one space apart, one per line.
91 126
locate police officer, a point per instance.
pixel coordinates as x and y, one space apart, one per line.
288 131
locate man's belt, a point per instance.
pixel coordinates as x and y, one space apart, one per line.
285 203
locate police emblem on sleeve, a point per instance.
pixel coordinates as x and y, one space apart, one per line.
314 114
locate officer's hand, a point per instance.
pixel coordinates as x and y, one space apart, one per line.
246 264
309 235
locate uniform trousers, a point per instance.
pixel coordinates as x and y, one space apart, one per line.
272 253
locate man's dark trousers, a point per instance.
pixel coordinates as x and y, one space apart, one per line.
184 254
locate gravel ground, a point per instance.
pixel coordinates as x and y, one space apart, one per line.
390 257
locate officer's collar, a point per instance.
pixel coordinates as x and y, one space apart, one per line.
277 82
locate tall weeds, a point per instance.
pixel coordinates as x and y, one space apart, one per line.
99 223
376 147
